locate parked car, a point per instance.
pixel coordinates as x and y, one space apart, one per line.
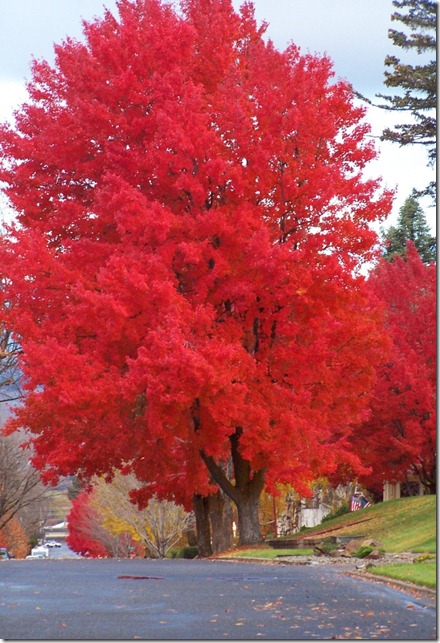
35 556
41 551
4 554
52 543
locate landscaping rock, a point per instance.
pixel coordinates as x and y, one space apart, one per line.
347 562
351 547
317 551
375 554
370 542
343 540
336 553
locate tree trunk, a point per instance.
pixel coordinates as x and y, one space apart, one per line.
220 514
245 492
248 520
201 512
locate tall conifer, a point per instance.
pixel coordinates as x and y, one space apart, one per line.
418 82
411 226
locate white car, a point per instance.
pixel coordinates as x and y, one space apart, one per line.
35 556
52 543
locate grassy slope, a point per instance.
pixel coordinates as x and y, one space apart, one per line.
400 525
419 573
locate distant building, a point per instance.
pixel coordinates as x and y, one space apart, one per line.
56 532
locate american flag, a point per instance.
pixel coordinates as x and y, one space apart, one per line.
359 502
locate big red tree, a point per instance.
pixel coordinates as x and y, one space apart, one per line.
184 274
400 435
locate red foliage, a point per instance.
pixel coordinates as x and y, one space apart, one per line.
192 218
400 436
84 529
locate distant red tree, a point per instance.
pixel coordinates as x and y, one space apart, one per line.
184 277
85 530
400 435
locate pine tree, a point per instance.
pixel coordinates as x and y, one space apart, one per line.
418 82
411 226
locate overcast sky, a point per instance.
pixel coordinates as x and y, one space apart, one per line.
353 33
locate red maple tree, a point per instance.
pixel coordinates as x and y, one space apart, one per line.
184 274
399 439
85 529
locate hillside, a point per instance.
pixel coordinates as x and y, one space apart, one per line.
400 525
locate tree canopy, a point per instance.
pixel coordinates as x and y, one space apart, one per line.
418 82
411 226
184 276
399 437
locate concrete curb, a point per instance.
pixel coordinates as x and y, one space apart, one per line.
342 568
432 593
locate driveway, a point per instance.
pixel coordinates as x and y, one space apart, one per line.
201 599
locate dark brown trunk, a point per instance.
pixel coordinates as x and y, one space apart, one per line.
201 512
248 520
250 485
220 514
245 492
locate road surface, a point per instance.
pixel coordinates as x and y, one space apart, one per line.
196 599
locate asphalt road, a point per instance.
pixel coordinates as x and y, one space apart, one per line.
183 599
62 552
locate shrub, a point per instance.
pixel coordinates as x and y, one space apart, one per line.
184 552
423 557
328 545
363 551
340 511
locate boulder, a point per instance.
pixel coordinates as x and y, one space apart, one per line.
317 551
370 542
351 547
345 554
336 553
375 554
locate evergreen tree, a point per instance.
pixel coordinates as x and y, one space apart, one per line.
411 226
418 82
75 488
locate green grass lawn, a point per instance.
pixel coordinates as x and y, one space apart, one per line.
420 573
270 554
405 524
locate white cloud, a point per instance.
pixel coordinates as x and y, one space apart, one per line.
401 168
12 94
